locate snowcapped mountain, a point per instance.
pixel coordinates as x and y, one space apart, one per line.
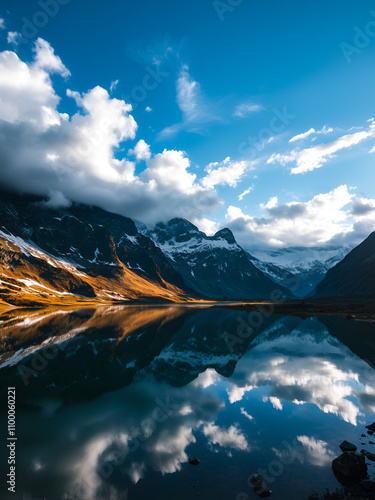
354 275
302 268
214 266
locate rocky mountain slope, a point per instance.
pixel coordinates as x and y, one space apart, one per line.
214 266
354 275
80 253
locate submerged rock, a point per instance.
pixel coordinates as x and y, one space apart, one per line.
368 455
194 461
262 491
368 485
346 446
350 465
256 480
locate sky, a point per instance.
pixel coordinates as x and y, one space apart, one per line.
257 115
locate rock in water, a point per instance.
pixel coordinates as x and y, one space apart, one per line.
262 491
194 461
368 455
368 485
350 465
256 480
346 446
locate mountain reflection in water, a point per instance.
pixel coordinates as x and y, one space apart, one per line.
112 402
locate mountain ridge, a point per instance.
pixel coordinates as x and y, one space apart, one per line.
81 252
354 275
214 266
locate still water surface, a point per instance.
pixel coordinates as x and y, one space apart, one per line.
112 402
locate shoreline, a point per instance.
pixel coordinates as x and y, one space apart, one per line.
362 309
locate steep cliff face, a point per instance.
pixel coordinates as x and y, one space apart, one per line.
354 275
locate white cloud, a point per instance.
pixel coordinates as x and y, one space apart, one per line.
271 203
57 200
113 86
170 169
247 415
207 378
326 218
26 92
317 451
141 150
312 158
188 94
276 403
148 109
226 172
244 193
13 37
303 135
246 108
47 60
206 225
312 369
195 110
324 130
81 156
104 125
226 438
2 24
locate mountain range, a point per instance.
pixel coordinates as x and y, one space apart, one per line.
81 253
306 265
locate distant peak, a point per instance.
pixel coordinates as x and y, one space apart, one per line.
225 234
177 225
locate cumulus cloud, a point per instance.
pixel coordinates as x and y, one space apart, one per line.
231 438
81 156
141 150
14 37
314 157
246 108
46 59
336 216
276 403
313 368
317 451
208 226
227 172
26 93
148 109
2 24
363 206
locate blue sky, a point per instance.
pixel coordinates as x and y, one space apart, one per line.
207 81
